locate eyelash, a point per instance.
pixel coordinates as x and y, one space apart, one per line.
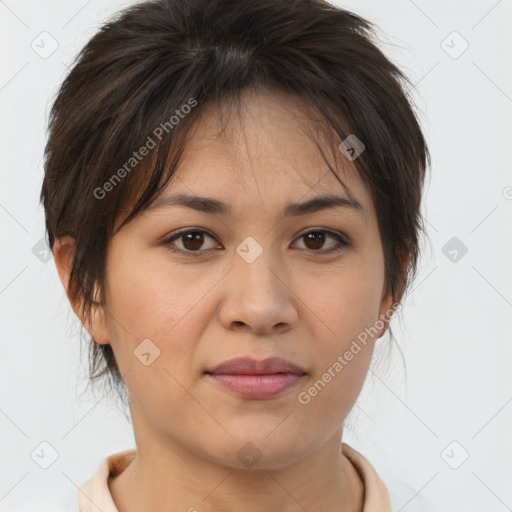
342 241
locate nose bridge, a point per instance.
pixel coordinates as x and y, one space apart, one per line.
256 267
256 295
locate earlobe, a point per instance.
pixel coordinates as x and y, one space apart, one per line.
389 304
97 328
385 314
63 255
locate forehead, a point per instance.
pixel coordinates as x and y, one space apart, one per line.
271 151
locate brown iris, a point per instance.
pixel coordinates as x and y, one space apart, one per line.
316 237
196 239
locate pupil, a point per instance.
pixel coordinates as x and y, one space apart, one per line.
316 238
196 244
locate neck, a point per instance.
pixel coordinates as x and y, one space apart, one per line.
166 476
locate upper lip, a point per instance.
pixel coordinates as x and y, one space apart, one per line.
251 366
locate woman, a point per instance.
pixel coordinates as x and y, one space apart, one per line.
232 194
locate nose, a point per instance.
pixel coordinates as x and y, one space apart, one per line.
258 297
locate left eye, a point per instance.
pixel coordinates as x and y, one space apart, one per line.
317 238
193 239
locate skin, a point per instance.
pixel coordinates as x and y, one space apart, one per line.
294 301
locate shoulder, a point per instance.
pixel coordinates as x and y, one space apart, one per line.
95 490
388 491
376 497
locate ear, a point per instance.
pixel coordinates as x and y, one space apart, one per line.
63 255
389 304
385 313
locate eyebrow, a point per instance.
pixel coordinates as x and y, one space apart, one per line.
216 207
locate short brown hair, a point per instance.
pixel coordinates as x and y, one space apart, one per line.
157 56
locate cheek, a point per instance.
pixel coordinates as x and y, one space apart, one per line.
346 309
340 372
154 337
344 305
330 395
146 303
150 297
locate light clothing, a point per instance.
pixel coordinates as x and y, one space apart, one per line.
94 494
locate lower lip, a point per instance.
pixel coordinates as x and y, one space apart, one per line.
257 386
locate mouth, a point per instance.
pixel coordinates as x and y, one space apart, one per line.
250 378
257 386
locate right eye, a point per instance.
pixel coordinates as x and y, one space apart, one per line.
191 241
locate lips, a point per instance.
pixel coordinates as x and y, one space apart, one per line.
252 379
250 366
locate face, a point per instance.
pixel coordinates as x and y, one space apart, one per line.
190 289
